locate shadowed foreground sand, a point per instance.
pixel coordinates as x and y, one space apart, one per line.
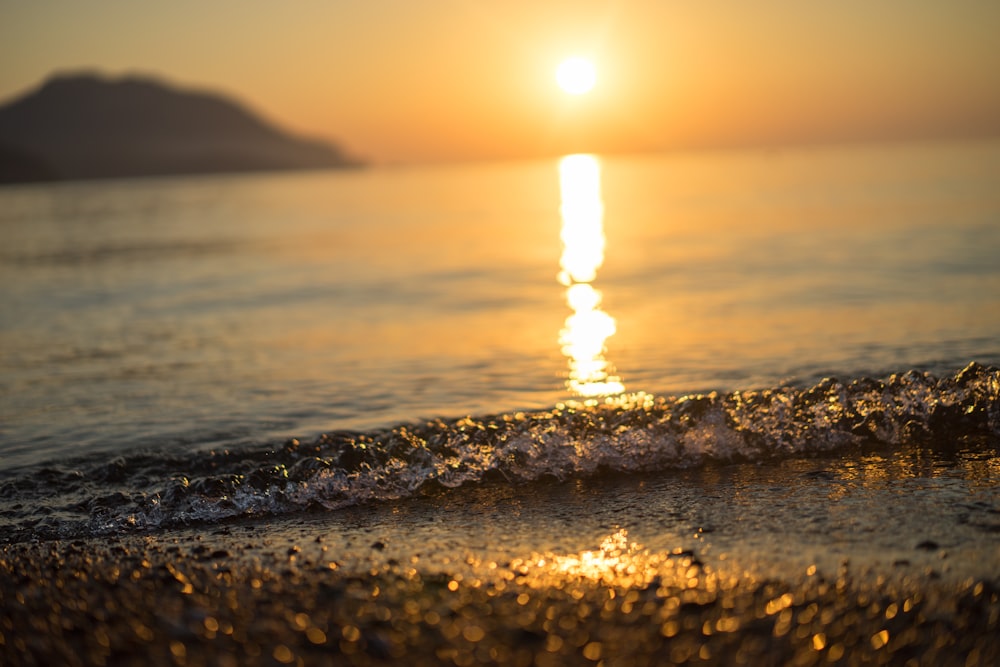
728 573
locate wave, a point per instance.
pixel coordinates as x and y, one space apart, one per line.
627 434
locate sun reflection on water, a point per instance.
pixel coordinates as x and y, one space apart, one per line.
587 329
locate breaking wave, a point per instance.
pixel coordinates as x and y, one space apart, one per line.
635 433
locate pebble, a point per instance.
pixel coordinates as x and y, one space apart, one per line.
141 603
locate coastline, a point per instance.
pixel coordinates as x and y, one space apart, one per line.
874 558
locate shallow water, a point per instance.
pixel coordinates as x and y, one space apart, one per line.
177 313
159 320
913 512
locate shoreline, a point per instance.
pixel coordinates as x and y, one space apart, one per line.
793 562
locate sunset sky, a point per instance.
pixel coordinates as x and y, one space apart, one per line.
405 81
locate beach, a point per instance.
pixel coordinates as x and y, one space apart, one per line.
867 558
604 334
731 407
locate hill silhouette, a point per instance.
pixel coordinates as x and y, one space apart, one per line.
85 126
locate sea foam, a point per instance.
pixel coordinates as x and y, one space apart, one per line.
636 433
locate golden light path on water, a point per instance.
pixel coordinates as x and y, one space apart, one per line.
584 336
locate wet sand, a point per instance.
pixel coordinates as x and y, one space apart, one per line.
867 559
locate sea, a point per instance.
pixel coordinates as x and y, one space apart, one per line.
194 350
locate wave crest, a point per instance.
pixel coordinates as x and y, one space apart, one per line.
636 433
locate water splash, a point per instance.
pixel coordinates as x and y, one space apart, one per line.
633 433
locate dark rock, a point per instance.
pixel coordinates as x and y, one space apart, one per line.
84 126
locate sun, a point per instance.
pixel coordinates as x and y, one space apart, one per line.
576 75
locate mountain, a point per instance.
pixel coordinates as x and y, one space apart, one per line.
86 126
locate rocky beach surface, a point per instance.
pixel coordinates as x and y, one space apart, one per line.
870 559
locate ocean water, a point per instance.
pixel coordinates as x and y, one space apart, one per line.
193 349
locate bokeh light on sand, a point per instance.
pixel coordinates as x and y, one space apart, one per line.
617 562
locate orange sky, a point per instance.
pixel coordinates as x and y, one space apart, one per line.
399 80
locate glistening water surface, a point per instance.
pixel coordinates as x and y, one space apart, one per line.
506 361
188 314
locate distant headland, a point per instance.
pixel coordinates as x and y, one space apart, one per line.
87 126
